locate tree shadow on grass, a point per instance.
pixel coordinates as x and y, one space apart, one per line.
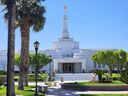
33 91
88 95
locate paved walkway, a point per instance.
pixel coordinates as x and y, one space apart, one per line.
57 91
32 83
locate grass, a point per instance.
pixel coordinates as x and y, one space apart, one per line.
26 92
97 83
104 95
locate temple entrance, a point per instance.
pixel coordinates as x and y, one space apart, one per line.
67 67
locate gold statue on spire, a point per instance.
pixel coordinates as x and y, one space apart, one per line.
65 9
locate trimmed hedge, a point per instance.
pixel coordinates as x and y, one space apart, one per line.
33 77
40 77
3 72
3 79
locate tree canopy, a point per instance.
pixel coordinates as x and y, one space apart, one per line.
111 58
42 60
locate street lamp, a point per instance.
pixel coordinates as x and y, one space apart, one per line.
120 57
50 69
36 45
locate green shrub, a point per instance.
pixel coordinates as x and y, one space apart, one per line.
99 72
124 76
3 72
3 79
16 78
113 77
40 77
33 77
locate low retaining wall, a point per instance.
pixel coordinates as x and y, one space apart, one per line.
95 87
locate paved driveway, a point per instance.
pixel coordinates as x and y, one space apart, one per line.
57 91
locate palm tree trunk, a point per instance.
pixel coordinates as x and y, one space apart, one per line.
24 62
11 50
26 79
27 51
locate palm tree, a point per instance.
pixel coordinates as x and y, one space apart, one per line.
11 47
29 13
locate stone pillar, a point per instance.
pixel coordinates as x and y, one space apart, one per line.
56 66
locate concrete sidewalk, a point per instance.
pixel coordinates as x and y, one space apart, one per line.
32 83
56 91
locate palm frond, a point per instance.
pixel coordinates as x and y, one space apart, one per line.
5 8
2 2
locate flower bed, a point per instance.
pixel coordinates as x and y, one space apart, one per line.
95 87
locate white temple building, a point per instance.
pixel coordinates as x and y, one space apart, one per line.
67 57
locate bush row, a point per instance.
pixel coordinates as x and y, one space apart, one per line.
33 77
3 79
3 72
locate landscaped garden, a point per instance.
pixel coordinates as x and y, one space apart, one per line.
28 91
31 77
97 83
104 95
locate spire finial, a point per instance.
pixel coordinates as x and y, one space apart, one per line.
65 9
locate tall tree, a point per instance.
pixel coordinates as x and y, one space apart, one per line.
29 13
117 60
105 58
111 58
42 60
11 46
123 60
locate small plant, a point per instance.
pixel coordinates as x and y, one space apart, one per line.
99 73
3 72
2 79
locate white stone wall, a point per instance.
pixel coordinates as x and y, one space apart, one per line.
3 62
77 67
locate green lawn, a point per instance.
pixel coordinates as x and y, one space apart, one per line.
26 92
104 95
96 83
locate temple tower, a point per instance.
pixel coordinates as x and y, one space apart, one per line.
65 33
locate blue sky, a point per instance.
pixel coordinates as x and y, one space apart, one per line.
96 24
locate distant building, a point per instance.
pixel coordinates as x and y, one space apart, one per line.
66 54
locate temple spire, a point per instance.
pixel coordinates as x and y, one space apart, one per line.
65 33
65 9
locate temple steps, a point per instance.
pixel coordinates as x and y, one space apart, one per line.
75 76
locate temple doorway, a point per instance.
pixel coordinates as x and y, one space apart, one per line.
68 68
